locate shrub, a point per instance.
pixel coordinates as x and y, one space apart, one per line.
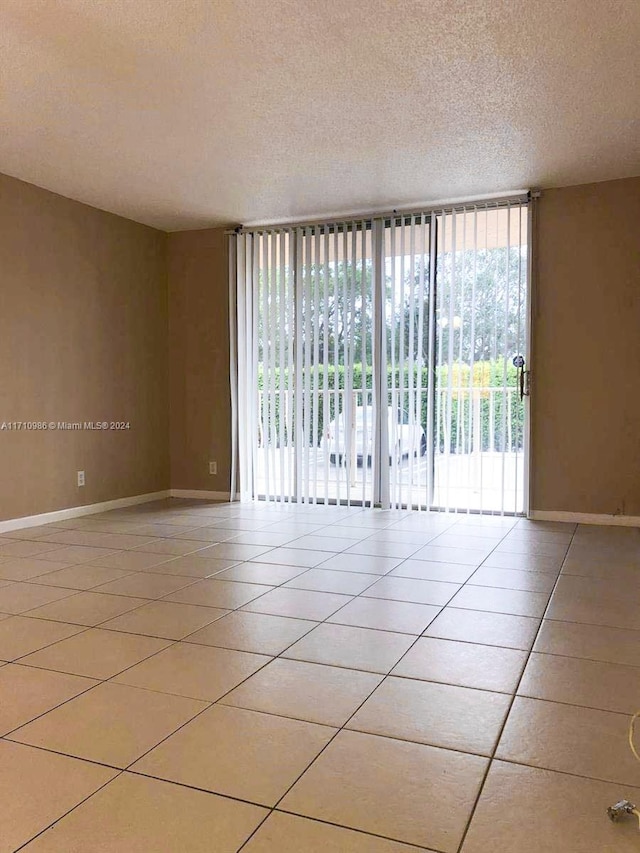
469 409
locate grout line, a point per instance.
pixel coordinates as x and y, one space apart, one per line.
362 832
73 808
492 757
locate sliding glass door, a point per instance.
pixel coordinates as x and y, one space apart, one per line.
379 362
480 351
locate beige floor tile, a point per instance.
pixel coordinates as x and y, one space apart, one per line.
91 525
416 591
368 565
294 557
146 585
82 577
96 653
172 547
524 562
27 568
75 536
530 546
513 579
292 530
139 815
436 714
198 672
569 739
193 524
591 601
616 553
397 550
125 541
529 525
428 571
285 833
594 642
205 535
168 530
464 664
27 693
236 551
18 598
570 814
132 561
403 617
604 569
241 753
353 648
76 554
165 619
319 542
25 548
299 603
111 724
260 537
31 533
262 573
21 635
459 537
514 601
359 781
410 537
607 686
465 556
251 632
326 580
351 535
490 629
218 593
87 608
371 520
306 691
95 539
38 787
426 527
520 535
192 566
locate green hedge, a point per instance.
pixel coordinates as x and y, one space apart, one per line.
453 403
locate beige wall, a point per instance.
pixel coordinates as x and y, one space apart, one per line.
199 363
83 337
586 404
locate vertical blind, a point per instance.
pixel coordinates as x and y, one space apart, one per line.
372 360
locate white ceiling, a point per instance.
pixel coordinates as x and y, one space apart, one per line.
189 113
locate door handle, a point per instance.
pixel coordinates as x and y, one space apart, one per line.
523 377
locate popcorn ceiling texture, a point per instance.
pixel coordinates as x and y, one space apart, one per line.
187 113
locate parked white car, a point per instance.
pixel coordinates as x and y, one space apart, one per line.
404 439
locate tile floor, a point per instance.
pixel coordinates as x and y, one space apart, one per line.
187 676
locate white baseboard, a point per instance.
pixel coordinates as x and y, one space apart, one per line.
79 511
200 493
585 518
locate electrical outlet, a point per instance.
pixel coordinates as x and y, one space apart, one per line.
213 467
80 478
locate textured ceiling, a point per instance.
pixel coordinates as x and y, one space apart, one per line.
189 113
